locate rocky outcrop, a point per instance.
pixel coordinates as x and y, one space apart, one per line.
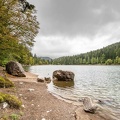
63 75
15 69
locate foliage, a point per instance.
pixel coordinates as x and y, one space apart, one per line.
40 61
17 31
5 83
14 116
109 62
107 55
11 100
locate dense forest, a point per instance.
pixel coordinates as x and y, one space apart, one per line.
107 55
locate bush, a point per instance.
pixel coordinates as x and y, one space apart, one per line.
11 100
4 82
108 62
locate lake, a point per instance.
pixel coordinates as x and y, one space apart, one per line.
97 82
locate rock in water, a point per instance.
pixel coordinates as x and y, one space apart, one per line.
40 80
47 79
15 69
89 106
63 75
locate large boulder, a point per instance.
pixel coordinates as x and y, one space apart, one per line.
63 75
15 69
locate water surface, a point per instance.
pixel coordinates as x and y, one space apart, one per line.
97 82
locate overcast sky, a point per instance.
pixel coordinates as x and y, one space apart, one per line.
69 27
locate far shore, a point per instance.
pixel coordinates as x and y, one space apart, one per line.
39 104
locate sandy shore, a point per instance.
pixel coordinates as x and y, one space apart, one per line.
39 104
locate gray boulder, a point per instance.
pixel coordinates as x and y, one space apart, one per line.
61 75
15 69
88 105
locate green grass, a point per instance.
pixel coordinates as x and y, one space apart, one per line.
5 83
11 100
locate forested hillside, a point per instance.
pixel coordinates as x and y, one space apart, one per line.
107 55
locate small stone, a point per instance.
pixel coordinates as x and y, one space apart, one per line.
23 106
47 79
43 119
31 90
25 98
21 83
49 111
20 94
5 105
40 80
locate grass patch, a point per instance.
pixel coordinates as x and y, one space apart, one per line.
5 83
13 116
11 100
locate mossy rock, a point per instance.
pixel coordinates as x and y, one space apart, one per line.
11 100
4 82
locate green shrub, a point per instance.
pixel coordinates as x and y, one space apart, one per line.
4 82
11 100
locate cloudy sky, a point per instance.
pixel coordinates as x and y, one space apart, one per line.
69 27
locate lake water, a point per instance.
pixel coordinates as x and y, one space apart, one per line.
97 82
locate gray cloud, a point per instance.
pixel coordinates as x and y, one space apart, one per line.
74 17
63 22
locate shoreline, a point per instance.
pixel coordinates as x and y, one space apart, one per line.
41 104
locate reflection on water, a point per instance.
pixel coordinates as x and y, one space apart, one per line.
26 68
63 84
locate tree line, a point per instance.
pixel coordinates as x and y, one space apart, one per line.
107 55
